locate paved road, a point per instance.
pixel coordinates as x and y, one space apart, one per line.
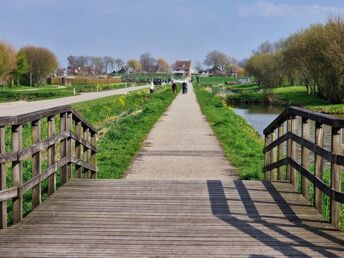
181 146
22 107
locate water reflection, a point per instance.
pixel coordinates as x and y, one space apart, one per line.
258 116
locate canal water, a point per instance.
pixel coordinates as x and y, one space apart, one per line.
258 116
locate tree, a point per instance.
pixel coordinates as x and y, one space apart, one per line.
98 65
109 63
21 69
134 65
119 63
42 63
8 61
163 66
148 63
217 59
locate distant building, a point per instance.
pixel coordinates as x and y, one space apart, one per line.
80 71
216 71
182 68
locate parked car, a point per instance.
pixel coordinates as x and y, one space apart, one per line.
157 81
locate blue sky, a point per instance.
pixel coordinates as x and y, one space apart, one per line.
173 29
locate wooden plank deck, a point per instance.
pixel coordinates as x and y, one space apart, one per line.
123 218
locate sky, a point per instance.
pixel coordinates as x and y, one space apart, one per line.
172 29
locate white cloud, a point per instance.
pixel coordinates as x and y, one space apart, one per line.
268 9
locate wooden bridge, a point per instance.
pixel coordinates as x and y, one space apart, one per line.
127 218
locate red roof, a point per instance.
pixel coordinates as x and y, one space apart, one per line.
183 65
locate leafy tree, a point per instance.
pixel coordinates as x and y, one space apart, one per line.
134 65
163 66
42 63
8 61
21 69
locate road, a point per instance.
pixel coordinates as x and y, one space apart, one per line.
23 107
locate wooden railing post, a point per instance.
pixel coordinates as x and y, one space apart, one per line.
336 142
267 157
51 155
273 157
319 166
3 204
63 149
17 174
69 144
305 158
291 150
78 149
93 155
36 163
86 152
280 152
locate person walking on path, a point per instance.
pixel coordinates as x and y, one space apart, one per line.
174 87
185 88
151 88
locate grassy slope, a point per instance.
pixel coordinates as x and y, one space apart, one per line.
291 95
241 143
124 122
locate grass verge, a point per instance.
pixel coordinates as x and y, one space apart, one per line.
241 143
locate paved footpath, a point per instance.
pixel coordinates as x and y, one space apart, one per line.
181 146
23 107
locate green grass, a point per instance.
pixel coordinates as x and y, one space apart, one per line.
215 79
124 122
289 96
241 143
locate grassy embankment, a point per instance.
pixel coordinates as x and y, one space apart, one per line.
52 91
288 96
123 121
240 142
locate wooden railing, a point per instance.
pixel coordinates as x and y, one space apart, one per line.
74 142
289 148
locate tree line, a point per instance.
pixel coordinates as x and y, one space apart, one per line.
313 57
29 65
107 64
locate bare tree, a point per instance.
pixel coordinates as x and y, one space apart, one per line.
134 65
217 59
109 63
148 63
119 63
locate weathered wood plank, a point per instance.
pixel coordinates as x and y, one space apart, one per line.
51 155
36 164
305 157
3 174
319 166
17 174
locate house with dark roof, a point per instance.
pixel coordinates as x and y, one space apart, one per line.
182 68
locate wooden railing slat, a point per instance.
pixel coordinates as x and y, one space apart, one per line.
305 157
280 152
273 158
63 148
36 163
51 155
17 176
319 166
267 156
336 143
3 174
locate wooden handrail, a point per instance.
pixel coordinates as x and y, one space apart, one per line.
85 162
290 157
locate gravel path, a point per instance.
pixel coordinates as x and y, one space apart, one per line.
181 146
23 107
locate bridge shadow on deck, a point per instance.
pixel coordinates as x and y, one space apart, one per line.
221 208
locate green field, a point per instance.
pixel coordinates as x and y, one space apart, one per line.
144 77
211 80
